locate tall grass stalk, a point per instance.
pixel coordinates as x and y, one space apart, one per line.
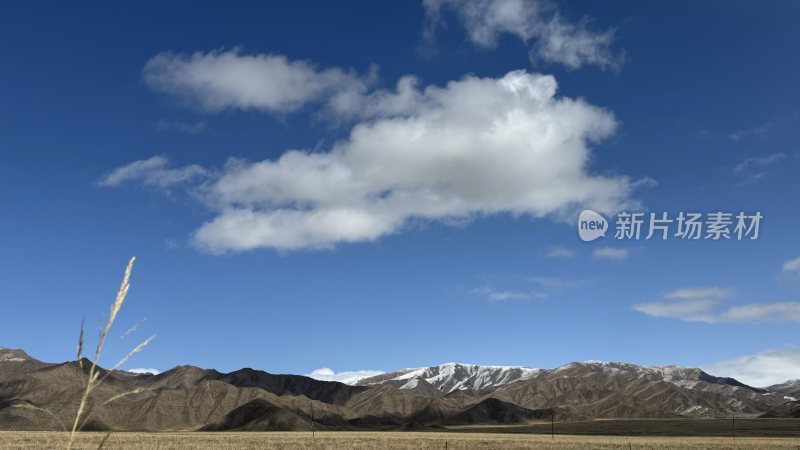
94 379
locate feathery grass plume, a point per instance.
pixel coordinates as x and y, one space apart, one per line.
94 374
132 329
80 345
122 361
125 394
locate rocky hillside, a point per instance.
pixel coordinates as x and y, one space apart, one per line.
40 396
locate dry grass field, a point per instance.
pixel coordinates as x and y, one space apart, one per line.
377 440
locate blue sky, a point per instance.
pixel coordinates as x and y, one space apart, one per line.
418 220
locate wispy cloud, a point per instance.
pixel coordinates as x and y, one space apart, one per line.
714 293
757 131
761 369
754 168
537 23
347 377
154 172
700 305
764 130
689 304
611 253
792 267
755 162
697 310
556 283
782 311
560 252
506 295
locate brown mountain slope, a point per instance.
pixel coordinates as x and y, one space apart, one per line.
185 398
14 361
788 409
41 396
260 415
494 411
324 391
594 390
790 388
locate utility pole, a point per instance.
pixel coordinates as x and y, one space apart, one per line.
733 426
552 424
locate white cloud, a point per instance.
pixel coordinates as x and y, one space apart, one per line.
792 267
152 172
560 252
689 304
612 253
762 369
767 129
556 39
755 162
713 293
700 305
475 147
220 80
505 295
698 310
763 311
759 131
347 377
755 168
144 371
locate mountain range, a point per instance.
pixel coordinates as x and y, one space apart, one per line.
36 395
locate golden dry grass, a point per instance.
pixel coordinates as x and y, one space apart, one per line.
94 379
378 440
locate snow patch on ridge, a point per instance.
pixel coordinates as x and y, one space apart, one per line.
452 376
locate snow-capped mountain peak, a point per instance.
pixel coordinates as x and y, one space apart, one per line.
453 376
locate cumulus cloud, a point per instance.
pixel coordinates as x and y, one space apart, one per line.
220 80
536 22
347 377
475 147
611 253
700 305
761 369
154 172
